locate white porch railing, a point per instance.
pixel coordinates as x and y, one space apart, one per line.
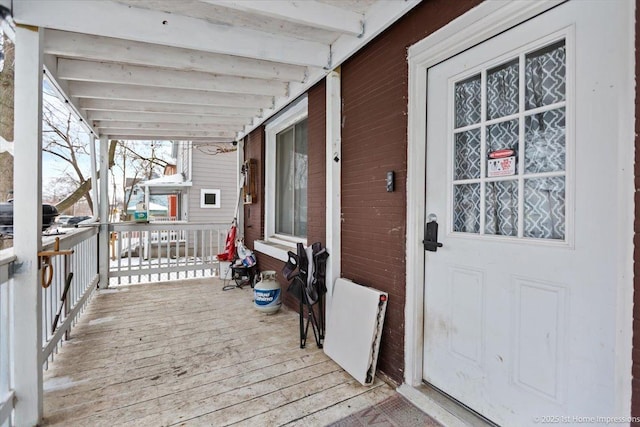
83 263
6 311
141 253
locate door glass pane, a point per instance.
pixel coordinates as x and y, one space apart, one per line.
466 208
544 208
284 182
502 90
502 136
501 204
545 142
516 201
545 76
467 155
468 101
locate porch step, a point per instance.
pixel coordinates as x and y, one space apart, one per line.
441 407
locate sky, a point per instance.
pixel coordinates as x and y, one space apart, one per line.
53 167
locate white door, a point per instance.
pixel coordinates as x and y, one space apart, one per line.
522 169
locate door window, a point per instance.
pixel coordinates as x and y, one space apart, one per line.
509 148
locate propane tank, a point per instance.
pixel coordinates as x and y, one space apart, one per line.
266 293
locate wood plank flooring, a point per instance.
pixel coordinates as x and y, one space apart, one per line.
187 353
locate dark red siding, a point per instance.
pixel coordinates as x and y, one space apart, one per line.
316 198
254 213
374 142
635 397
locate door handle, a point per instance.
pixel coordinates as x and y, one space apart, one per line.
430 241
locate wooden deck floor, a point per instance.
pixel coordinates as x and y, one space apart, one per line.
187 353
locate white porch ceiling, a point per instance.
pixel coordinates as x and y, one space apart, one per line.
202 70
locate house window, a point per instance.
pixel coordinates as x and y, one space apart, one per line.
209 198
291 181
286 170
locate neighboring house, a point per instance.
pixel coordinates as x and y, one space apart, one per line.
157 203
514 133
203 186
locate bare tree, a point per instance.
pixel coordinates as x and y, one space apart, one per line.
7 66
138 161
79 191
7 52
63 138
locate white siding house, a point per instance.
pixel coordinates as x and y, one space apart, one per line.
213 194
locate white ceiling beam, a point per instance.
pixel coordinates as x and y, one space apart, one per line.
62 88
309 13
101 72
200 140
177 96
171 134
125 116
95 48
378 18
153 107
111 19
100 124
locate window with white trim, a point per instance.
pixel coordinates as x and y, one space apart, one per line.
286 167
209 198
291 181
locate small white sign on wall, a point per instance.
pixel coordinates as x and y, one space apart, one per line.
505 166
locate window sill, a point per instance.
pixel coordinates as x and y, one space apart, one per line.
274 250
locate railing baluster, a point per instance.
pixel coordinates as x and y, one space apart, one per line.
189 250
6 315
129 254
83 264
119 253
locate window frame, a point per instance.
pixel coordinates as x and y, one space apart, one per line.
204 192
568 104
294 114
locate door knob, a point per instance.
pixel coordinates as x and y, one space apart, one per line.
430 241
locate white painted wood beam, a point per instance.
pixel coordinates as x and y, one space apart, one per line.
174 96
378 18
103 237
95 48
105 126
89 71
309 13
211 140
333 162
50 71
172 134
125 116
154 107
27 227
111 19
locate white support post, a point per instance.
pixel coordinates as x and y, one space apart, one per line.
27 226
103 240
94 176
239 180
333 171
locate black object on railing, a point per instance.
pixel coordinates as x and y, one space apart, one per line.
63 301
49 214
